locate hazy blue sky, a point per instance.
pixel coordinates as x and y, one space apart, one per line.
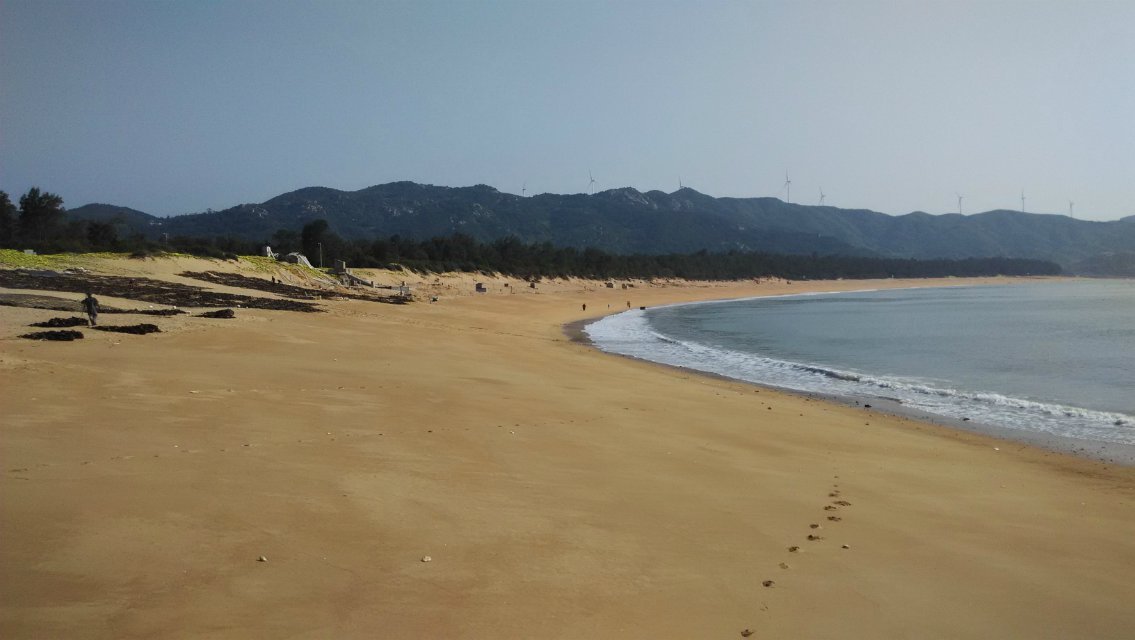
175 107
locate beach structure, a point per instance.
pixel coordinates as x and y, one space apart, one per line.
348 278
297 258
480 288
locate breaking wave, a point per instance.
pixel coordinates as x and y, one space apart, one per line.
631 334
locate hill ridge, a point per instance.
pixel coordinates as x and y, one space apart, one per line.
626 220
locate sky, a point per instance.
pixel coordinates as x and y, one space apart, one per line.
175 107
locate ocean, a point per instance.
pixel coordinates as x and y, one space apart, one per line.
1038 360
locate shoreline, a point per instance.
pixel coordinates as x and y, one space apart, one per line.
285 474
1106 452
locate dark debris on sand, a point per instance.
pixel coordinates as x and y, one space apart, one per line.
286 290
148 312
145 289
136 329
58 323
59 336
55 303
219 313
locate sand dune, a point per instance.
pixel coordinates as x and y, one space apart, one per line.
558 492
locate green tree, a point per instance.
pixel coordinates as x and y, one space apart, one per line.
7 221
40 216
312 238
102 235
285 241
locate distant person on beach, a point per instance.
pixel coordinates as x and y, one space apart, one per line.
585 307
91 306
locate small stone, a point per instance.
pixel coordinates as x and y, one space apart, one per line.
846 546
262 559
427 559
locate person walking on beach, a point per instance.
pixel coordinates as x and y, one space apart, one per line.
91 306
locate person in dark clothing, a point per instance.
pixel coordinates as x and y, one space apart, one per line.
91 306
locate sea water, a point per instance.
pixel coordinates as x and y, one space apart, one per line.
1051 358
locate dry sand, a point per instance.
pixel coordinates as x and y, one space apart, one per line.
559 492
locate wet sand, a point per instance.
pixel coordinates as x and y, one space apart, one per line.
558 491
1108 452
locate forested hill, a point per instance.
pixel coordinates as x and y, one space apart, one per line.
629 221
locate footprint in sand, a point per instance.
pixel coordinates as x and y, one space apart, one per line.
830 508
834 518
842 503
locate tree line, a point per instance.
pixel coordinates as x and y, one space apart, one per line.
40 223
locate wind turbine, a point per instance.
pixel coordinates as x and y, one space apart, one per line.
523 189
1022 200
787 187
1070 205
959 202
680 187
591 184
822 196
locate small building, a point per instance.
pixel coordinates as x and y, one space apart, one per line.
481 287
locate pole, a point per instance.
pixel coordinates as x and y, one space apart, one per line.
320 254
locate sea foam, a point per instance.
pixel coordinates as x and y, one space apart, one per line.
630 334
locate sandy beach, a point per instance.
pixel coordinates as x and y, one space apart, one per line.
557 491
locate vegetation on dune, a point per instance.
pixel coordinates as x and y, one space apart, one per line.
20 260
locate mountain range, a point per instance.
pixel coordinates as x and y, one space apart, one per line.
629 221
